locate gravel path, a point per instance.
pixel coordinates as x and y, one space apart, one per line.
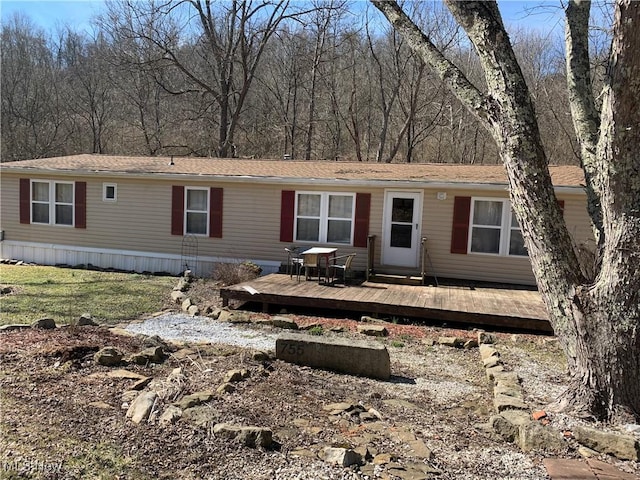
184 327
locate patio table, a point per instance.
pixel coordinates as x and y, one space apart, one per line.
320 253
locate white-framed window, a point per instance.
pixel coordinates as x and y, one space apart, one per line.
109 192
325 217
196 212
493 228
52 202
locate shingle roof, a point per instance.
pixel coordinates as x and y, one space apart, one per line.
570 176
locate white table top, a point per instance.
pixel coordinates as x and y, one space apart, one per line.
319 251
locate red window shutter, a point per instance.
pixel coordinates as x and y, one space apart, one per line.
361 227
215 212
177 210
460 228
81 205
25 200
561 205
287 215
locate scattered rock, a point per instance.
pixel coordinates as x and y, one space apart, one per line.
505 402
129 396
149 355
141 384
108 356
235 375
186 303
101 405
284 322
193 310
86 320
44 323
343 457
178 296
194 399
226 388
14 326
507 430
234 317
183 285
171 415
454 342
125 374
384 458
486 338
491 362
487 351
248 436
141 407
534 436
622 446
373 330
469 344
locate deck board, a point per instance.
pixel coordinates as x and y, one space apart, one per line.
498 307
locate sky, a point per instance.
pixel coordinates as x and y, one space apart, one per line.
50 14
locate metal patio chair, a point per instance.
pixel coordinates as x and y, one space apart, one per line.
294 261
344 267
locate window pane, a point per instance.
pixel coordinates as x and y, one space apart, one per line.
339 231
197 200
64 193
402 210
514 221
487 213
485 240
197 223
40 191
308 229
340 206
110 192
516 244
64 215
401 235
40 212
309 205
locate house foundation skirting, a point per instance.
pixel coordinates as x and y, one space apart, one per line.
127 260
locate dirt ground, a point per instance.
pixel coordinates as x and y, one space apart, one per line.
63 415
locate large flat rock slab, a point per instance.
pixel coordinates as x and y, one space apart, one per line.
342 355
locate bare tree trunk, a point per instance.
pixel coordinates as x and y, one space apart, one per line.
598 324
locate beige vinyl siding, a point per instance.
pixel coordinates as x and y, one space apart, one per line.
140 220
436 226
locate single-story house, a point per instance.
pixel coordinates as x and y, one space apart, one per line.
159 214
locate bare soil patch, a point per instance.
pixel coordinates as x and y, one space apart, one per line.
63 416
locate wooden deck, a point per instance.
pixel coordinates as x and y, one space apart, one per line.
496 307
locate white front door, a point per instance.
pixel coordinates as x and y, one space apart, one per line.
401 234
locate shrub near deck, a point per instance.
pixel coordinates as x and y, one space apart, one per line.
346 356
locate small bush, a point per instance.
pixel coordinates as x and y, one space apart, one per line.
232 273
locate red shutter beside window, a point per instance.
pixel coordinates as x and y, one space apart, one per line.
215 212
25 200
460 227
561 205
81 205
361 227
287 215
177 210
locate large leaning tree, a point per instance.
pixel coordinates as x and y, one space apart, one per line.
594 305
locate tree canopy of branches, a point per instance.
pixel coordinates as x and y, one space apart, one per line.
314 80
594 303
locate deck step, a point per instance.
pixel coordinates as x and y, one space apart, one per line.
395 279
